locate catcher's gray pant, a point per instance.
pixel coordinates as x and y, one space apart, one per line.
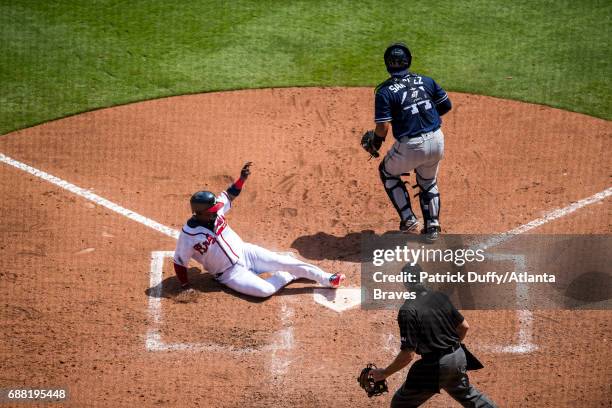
453 379
243 276
422 154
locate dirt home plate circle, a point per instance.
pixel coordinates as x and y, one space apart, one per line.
308 200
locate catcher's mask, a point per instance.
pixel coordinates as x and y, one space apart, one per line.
398 59
205 201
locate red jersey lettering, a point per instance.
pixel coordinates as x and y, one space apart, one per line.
202 247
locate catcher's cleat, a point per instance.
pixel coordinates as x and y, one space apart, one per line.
431 234
336 279
409 224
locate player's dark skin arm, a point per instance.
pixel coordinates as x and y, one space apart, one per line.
382 128
403 358
235 188
380 132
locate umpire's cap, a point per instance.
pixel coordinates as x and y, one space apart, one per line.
207 198
398 59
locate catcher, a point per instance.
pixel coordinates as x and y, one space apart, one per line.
430 326
412 105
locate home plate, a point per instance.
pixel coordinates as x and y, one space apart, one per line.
338 300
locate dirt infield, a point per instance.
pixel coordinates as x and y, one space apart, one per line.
78 309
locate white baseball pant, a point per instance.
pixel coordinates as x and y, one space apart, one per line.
243 276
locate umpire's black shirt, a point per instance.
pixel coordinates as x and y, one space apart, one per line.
428 323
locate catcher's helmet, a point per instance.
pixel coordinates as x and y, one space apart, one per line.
207 198
398 59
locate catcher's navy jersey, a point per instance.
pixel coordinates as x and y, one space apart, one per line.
409 103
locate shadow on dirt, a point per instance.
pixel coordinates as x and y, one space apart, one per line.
321 245
205 283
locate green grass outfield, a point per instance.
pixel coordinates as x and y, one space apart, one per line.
63 57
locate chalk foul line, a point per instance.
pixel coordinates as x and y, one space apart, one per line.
548 217
89 195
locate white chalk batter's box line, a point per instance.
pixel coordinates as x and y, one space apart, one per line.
525 317
154 342
285 336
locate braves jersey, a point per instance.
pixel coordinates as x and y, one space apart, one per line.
409 103
215 249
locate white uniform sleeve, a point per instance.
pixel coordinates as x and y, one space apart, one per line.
227 203
183 251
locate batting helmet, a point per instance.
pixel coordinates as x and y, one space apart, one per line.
398 59
207 198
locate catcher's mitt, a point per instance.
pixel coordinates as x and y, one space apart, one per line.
371 387
371 143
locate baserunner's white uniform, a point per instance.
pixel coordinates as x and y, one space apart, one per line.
236 263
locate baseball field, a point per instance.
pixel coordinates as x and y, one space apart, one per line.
112 114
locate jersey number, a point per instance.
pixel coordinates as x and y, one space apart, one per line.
414 107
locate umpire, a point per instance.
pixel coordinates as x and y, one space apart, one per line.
431 326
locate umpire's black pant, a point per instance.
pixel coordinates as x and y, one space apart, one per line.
453 379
